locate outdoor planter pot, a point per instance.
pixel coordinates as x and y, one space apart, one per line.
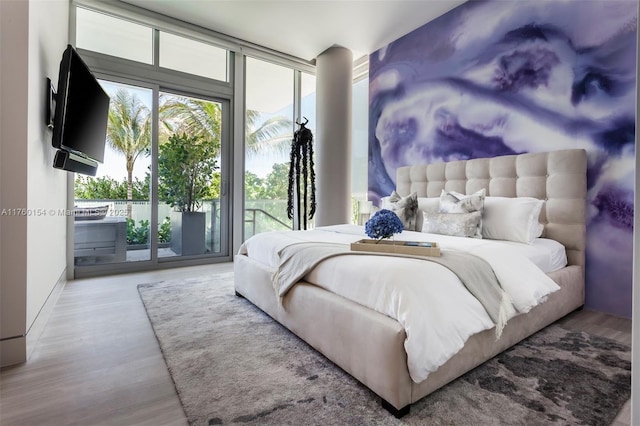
188 233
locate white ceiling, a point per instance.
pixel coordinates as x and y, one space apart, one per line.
306 28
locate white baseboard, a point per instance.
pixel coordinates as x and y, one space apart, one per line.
13 351
37 327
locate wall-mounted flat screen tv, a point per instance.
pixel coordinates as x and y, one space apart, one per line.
81 109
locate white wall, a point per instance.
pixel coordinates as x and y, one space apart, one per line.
334 85
46 186
13 178
33 245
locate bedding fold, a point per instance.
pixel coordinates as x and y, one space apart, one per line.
298 259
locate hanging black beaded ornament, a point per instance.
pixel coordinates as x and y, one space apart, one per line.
302 164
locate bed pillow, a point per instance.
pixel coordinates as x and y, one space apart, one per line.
406 208
454 224
429 204
385 203
455 202
512 219
426 204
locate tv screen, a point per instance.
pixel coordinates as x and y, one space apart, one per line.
82 109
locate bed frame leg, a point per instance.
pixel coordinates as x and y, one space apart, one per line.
393 410
239 295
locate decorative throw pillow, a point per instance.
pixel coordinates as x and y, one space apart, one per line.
512 219
454 224
455 202
406 208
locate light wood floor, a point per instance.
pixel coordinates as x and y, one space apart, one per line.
98 361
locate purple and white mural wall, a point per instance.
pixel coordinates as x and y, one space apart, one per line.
506 77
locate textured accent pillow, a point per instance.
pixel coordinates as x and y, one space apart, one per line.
512 219
406 208
454 224
455 202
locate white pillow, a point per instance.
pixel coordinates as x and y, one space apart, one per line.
385 203
426 204
455 202
512 219
429 204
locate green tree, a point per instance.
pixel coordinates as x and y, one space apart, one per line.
214 188
195 117
142 188
101 188
202 118
107 188
252 186
129 132
185 169
276 184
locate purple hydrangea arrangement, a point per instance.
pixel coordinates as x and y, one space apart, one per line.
383 224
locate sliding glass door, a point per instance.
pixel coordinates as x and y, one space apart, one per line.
160 142
112 209
192 170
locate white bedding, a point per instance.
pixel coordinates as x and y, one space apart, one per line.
437 312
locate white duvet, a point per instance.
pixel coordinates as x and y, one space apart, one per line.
428 300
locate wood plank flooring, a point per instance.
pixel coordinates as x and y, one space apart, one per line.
98 361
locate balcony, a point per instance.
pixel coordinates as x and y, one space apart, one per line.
115 239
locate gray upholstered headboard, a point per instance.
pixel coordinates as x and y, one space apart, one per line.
559 177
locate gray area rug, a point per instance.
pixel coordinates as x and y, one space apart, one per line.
232 364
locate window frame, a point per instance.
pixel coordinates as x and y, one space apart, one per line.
232 91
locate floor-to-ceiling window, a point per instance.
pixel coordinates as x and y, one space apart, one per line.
164 182
276 98
195 80
360 141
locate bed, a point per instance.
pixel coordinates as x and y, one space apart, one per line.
370 345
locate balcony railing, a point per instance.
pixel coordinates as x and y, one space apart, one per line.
254 218
260 215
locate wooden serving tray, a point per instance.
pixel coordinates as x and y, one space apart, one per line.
401 247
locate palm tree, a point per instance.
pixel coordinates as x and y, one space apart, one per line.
272 134
203 119
129 132
197 117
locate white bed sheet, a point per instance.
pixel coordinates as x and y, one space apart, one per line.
548 255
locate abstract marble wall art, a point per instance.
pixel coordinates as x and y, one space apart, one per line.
506 77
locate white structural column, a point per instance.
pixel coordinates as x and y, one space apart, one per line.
334 69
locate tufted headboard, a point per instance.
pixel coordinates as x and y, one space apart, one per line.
559 177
